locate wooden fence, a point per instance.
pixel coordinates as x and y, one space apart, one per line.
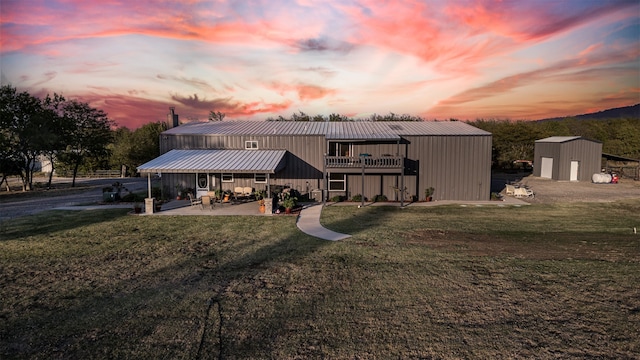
90 174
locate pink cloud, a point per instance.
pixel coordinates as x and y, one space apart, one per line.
132 111
306 92
24 25
462 34
125 110
572 69
232 108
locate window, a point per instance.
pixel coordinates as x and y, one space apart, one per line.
337 182
260 178
340 149
227 177
250 145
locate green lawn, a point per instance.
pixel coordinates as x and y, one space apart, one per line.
540 281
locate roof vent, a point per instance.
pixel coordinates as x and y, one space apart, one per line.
395 127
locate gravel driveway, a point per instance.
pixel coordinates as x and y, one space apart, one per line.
552 191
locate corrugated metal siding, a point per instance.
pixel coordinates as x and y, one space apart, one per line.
548 150
587 152
457 167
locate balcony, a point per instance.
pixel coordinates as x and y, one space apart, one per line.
385 164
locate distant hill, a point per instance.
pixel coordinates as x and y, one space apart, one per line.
632 111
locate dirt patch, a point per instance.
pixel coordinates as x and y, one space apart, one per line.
551 191
563 246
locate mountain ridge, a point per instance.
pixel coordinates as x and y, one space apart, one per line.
632 111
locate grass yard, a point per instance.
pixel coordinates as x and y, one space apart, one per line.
541 281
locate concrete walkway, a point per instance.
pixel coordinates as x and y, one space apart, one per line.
309 223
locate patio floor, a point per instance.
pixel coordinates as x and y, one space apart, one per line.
183 207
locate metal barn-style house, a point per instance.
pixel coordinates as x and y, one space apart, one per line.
396 160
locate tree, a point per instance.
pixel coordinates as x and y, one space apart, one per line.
134 148
26 133
216 116
88 137
121 148
58 128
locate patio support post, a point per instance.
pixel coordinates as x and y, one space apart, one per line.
149 185
149 202
221 193
268 185
402 189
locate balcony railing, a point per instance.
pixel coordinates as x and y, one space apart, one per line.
387 162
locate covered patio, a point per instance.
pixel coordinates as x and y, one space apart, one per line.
208 170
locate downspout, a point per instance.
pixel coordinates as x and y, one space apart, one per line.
362 195
325 176
401 176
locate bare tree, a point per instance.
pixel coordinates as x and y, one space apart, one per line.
216 116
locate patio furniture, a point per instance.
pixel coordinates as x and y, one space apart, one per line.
510 189
523 192
193 200
205 201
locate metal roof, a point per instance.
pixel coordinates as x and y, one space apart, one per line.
558 139
343 130
359 130
223 161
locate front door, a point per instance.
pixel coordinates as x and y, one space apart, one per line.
202 184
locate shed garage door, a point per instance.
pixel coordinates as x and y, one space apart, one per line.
546 167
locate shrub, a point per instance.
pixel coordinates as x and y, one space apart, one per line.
156 192
337 198
132 197
380 198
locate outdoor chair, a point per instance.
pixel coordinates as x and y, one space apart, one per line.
247 191
205 201
193 200
510 190
523 192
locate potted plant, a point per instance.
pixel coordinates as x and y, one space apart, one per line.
179 191
289 202
428 193
259 195
227 196
218 194
137 208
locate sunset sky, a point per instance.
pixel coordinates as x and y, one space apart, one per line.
466 59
